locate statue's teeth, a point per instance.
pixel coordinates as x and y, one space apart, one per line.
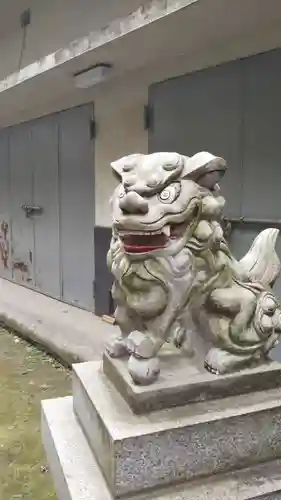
166 230
140 233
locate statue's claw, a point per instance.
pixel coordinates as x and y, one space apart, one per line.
210 369
141 345
219 361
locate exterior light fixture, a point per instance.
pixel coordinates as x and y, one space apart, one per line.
92 76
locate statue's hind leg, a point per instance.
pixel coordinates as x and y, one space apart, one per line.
237 306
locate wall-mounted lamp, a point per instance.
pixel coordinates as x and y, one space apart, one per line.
92 76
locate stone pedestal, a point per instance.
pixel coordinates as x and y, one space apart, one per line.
188 436
182 382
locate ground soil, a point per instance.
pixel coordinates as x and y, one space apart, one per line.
27 375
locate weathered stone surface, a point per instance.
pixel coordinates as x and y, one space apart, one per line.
77 475
169 446
74 470
171 263
182 382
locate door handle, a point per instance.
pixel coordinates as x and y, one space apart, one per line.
31 210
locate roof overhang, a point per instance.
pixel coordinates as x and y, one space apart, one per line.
160 30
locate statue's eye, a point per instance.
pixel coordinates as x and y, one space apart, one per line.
165 195
170 193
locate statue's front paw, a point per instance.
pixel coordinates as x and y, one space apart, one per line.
219 361
141 345
143 371
116 347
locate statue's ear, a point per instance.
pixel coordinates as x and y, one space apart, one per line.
124 164
204 168
117 167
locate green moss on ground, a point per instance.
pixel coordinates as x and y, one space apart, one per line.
27 375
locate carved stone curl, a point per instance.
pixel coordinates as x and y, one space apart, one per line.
170 261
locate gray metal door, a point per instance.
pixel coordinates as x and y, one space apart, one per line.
261 205
261 201
45 151
76 159
47 205
233 110
202 112
5 220
21 193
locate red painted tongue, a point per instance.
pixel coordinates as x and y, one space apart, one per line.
142 248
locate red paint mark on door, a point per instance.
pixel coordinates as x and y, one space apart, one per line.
4 244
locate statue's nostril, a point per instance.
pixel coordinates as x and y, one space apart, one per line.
133 203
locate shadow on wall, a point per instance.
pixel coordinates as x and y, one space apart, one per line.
103 278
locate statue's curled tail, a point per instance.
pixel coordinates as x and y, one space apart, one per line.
262 263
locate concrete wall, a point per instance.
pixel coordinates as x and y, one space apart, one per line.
54 24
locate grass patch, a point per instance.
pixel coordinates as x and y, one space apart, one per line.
27 375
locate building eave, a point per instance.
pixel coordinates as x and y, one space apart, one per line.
198 32
150 12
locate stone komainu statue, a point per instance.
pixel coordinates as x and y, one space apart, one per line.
172 268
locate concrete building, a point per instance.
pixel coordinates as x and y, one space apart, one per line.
186 75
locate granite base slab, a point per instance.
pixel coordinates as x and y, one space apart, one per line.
165 447
77 476
181 382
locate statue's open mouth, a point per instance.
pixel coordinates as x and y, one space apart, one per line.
147 241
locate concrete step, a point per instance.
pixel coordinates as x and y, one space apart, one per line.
69 333
77 475
137 452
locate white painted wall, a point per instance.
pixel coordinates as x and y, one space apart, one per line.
54 24
119 133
